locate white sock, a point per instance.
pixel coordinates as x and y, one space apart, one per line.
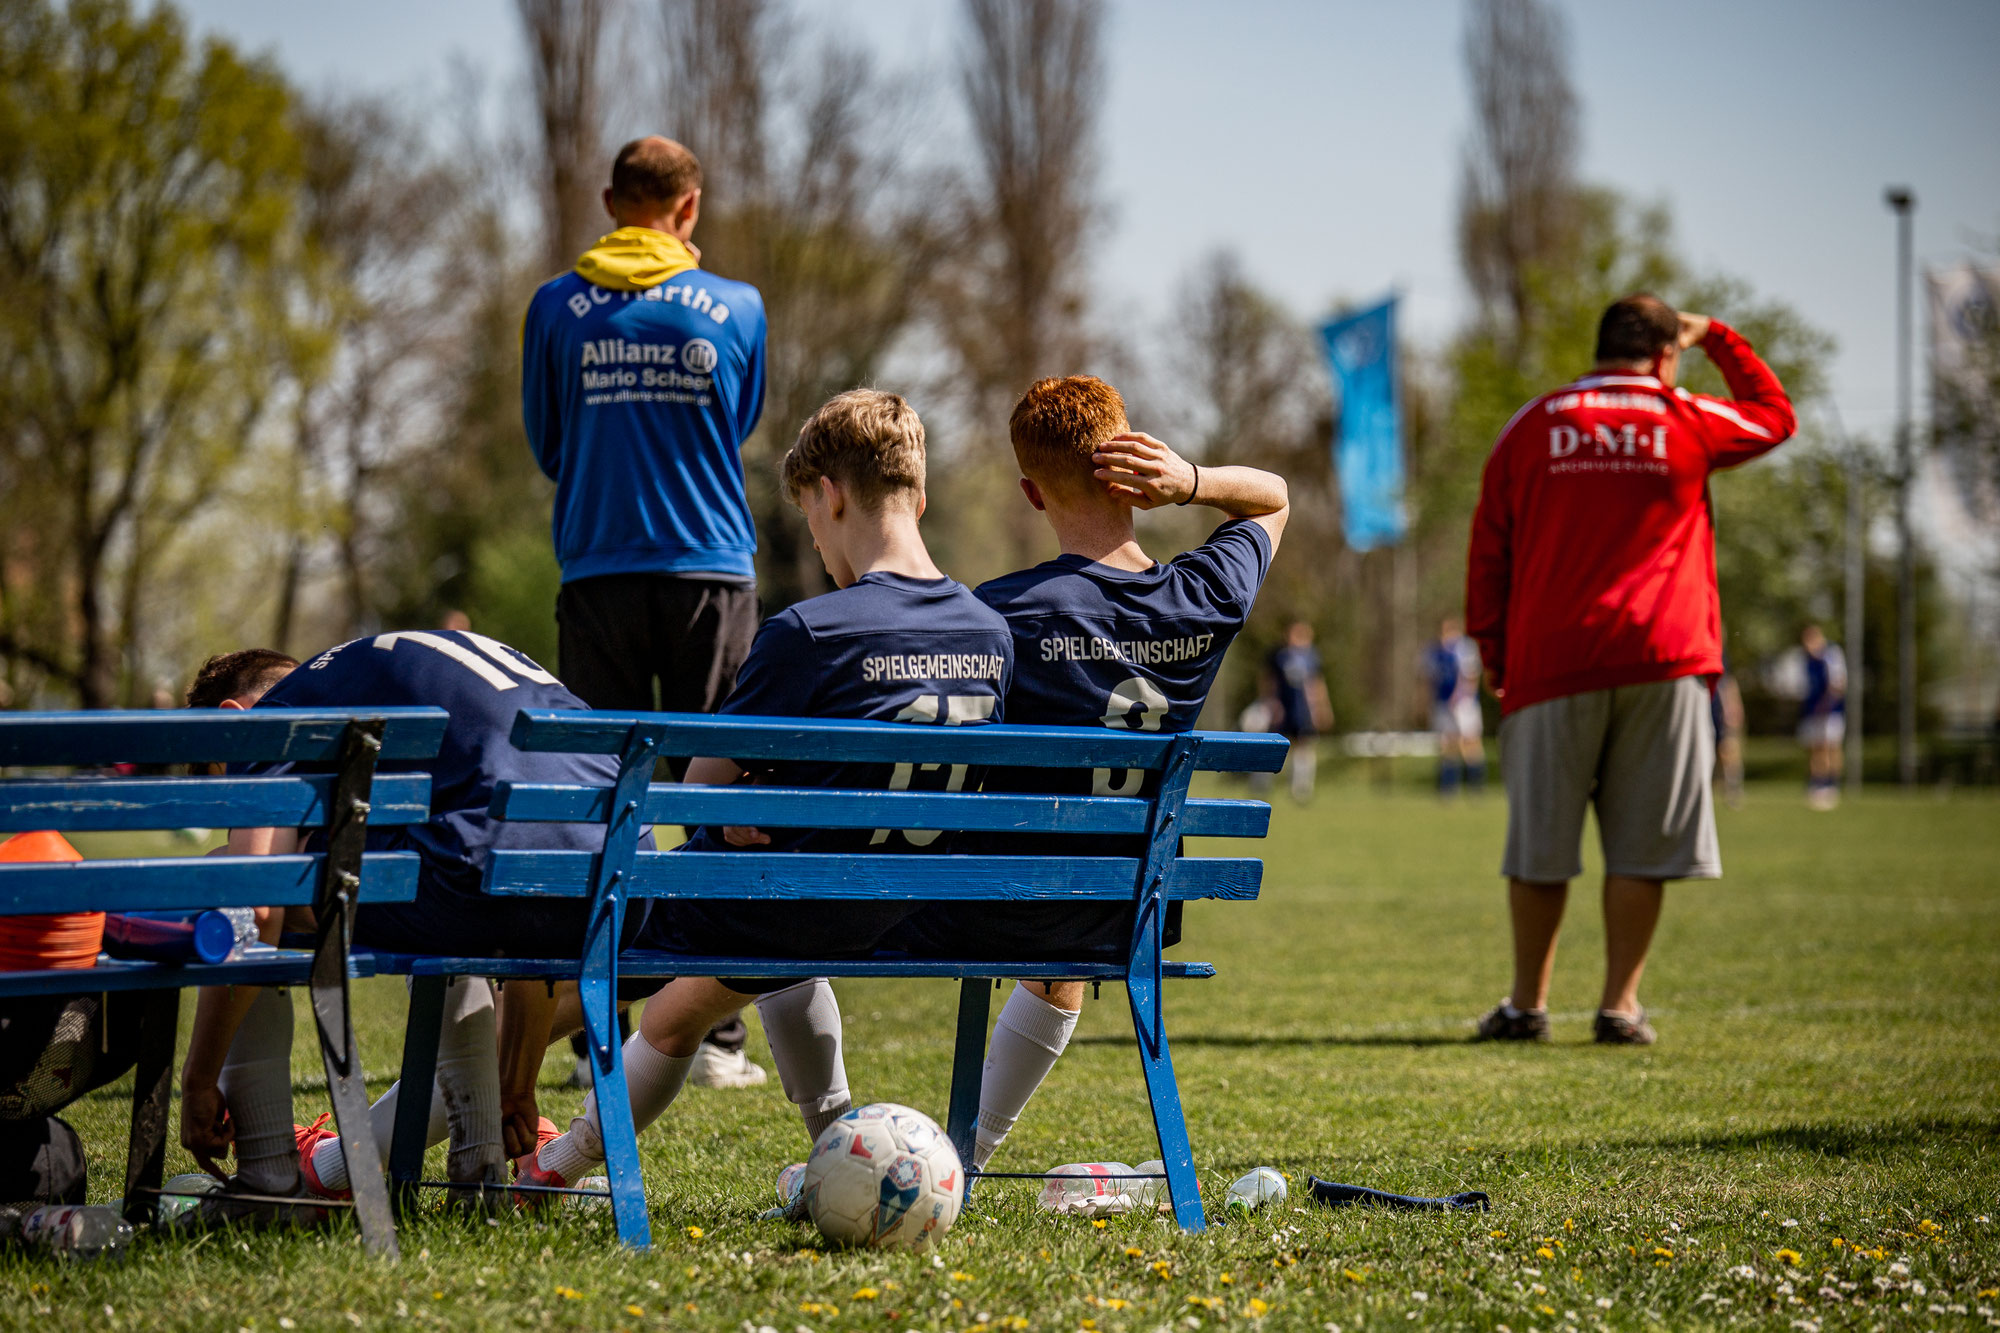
1027 1040
330 1162
652 1081
802 1023
256 1085
468 1077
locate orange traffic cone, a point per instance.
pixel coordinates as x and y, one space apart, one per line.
66 939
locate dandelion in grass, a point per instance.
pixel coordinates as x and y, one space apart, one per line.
1544 1252
1258 1309
694 1233
865 1293
1787 1256
569 1293
1227 1279
1133 1251
1663 1252
1163 1270
957 1276
1099 1223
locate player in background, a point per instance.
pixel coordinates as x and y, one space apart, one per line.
236 1084
1725 711
1452 664
1295 683
1104 635
896 642
1823 717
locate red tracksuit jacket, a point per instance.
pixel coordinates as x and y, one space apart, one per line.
1593 549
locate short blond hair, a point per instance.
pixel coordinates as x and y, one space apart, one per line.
1059 423
869 441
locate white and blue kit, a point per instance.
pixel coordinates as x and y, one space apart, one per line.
887 648
482 684
1097 646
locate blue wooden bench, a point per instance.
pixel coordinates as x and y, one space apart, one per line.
622 872
342 799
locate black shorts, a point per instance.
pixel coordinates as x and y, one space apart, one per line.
761 928
1095 932
460 922
620 634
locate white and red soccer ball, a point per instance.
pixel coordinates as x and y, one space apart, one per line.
884 1175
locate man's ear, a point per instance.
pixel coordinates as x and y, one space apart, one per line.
923 503
233 704
690 210
1034 494
609 211
836 499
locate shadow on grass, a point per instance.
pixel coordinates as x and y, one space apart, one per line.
1828 1139
1253 1040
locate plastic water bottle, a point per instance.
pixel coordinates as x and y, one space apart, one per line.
181 1193
1262 1186
76 1233
1090 1188
791 1183
590 1200
244 921
1148 1193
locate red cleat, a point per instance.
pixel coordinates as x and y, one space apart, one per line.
528 1170
309 1137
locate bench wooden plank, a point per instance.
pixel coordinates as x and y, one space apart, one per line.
82 805
161 736
821 875
743 738
277 967
819 807
191 883
652 964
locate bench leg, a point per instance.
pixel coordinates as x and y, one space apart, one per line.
152 1101
349 1094
614 1111
968 1064
1149 1023
413 1099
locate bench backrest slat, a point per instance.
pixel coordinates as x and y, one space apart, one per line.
81 805
807 807
826 739
191 883
821 875
188 736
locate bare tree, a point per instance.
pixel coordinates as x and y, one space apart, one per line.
806 197
1032 74
1518 200
565 42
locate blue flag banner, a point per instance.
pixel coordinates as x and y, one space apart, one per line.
1368 449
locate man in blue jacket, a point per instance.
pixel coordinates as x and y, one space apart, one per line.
641 377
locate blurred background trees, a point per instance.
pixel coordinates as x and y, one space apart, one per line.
259 351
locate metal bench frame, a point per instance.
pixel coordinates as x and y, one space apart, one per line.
342 801
622 872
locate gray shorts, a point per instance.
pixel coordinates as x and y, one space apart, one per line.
1642 754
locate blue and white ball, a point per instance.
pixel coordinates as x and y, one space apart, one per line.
884 1175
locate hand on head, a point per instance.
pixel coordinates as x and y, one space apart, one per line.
1140 471
1693 328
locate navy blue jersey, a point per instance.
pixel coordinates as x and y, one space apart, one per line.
1293 670
1097 646
482 684
888 649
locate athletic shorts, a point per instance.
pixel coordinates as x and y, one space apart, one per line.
618 633
448 918
1643 755
1823 729
1458 719
760 928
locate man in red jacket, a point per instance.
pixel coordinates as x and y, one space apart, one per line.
1590 588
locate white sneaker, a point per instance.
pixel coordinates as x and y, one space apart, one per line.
717 1068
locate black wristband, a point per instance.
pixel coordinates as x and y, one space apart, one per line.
1192 490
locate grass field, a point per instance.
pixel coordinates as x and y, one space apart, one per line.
1815 1142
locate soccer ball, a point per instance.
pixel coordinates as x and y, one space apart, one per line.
884 1175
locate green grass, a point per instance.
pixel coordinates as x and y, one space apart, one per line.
1827 1084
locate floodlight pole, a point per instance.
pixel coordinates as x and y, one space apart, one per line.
1903 202
1856 628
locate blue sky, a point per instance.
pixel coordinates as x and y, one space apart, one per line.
1321 141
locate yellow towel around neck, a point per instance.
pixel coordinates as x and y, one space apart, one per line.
634 258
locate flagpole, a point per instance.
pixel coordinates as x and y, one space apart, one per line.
1903 202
